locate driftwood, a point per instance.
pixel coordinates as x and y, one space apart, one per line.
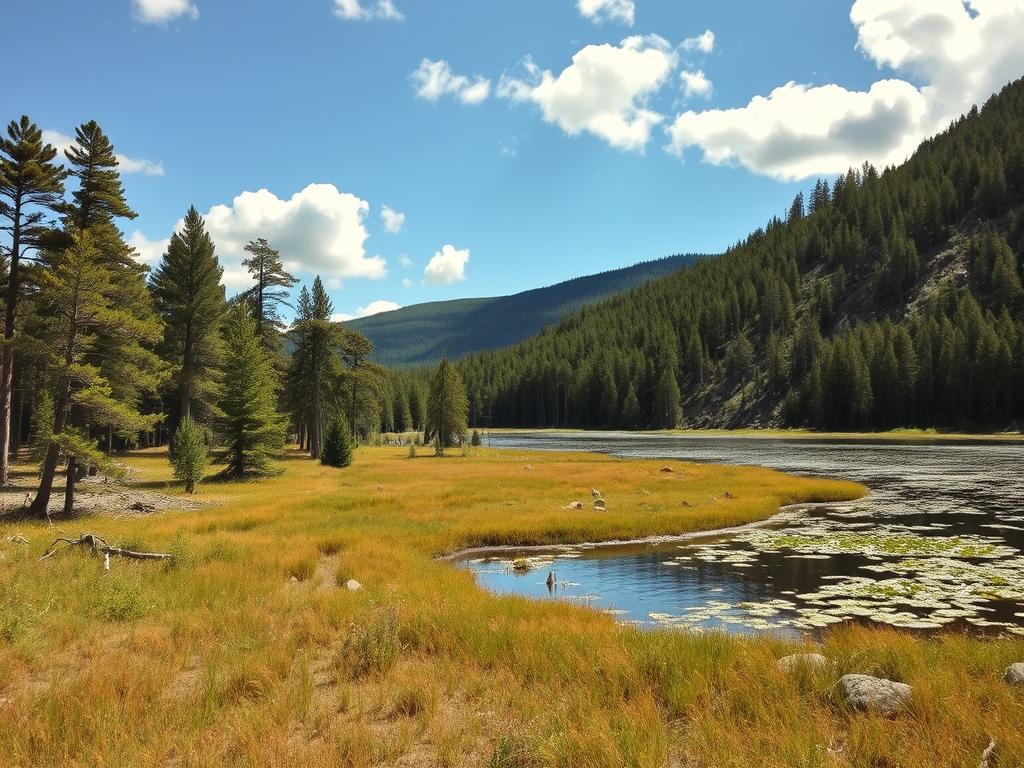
988 757
100 547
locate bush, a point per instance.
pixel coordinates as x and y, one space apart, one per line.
372 646
337 450
188 454
475 439
412 450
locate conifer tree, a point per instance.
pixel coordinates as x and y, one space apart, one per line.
338 447
79 301
447 408
42 426
189 454
315 365
270 290
31 186
252 429
190 299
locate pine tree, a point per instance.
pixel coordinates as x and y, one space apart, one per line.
252 429
338 447
190 299
79 303
42 427
31 187
314 366
667 401
270 291
189 455
447 408
361 378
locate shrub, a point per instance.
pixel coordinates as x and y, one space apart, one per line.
337 450
372 646
118 599
188 454
412 450
475 439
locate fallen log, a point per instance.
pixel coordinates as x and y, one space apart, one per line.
100 547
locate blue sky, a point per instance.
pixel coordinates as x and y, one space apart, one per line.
540 139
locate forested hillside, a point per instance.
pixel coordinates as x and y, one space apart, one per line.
424 333
886 299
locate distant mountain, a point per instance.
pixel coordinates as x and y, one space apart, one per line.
423 333
891 298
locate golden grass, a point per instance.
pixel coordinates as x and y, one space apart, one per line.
247 652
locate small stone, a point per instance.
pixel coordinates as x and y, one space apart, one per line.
294 579
353 586
808 660
667 470
574 505
874 694
595 493
1015 673
600 504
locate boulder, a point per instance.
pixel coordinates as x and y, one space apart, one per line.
667 470
874 694
574 505
595 493
1014 674
808 660
353 586
599 504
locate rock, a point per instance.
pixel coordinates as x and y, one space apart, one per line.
874 694
139 506
574 505
667 470
599 504
686 503
353 586
595 493
528 468
1014 674
728 495
808 660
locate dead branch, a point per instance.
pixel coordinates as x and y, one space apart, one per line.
100 547
988 757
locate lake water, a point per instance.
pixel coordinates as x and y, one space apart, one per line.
938 544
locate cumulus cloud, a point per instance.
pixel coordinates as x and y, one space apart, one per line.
367 10
447 266
696 84
434 79
318 230
373 308
605 91
405 261
960 51
622 11
125 164
161 11
704 42
147 251
393 220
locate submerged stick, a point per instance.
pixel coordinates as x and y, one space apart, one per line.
100 547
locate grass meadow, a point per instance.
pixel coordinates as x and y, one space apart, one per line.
248 650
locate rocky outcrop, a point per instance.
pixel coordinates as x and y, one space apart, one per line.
1014 674
874 694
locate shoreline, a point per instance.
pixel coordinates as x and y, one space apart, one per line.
894 436
784 514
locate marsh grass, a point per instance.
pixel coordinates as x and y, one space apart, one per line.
222 659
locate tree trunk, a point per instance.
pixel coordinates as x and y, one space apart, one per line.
71 477
7 353
19 422
42 499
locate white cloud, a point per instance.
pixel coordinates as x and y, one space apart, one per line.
373 308
605 91
696 84
447 266
434 79
125 164
405 261
147 251
161 11
333 283
367 10
704 42
622 11
960 52
393 220
406 282
318 230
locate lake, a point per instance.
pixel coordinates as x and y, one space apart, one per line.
938 544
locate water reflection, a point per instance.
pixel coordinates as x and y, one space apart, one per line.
938 543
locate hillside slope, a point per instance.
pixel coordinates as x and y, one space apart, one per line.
423 333
889 299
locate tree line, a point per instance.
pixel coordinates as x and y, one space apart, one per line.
882 299
99 353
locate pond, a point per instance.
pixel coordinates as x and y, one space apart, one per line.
938 544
